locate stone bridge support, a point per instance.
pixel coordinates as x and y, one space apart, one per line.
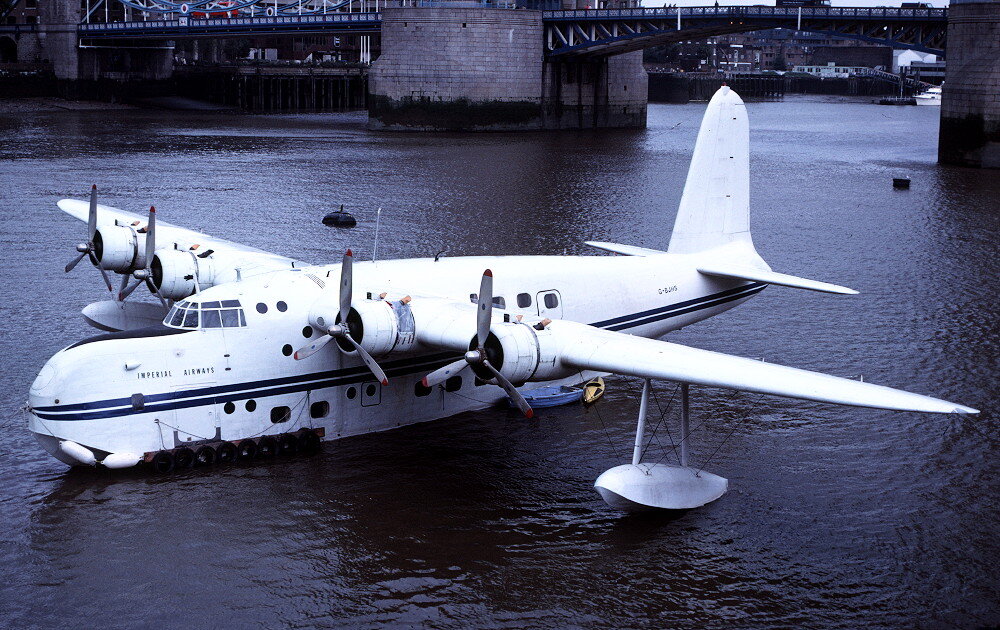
463 67
970 105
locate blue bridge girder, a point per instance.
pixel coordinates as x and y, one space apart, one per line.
604 32
179 27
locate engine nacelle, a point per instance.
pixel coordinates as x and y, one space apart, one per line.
175 273
522 353
119 248
375 324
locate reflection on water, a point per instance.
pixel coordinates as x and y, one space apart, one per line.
836 517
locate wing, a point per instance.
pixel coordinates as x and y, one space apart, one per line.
591 348
183 237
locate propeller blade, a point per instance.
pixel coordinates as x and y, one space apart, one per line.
121 288
150 236
484 314
307 351
152 289
104 274
508 387
346 286
92 215
73 263
442 374
369 361
124 293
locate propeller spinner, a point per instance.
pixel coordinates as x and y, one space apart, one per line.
341 331
477 357
87 248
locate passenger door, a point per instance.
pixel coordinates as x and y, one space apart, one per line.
549 304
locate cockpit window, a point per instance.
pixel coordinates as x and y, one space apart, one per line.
217 314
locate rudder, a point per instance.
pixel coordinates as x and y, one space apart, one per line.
715 204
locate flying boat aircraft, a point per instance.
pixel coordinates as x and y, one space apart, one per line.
249 354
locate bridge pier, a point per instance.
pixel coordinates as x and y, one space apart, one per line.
970 104
467 68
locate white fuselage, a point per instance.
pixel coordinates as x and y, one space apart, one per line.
140 392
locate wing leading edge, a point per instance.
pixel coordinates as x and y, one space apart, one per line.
606 351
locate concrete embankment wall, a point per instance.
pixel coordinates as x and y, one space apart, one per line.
970 106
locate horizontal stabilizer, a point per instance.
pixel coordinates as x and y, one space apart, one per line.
590 348
739 272
628 250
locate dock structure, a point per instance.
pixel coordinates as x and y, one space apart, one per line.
503 64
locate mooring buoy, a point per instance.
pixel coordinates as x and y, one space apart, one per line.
340 218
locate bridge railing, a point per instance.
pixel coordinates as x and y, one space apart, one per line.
330 18
736 11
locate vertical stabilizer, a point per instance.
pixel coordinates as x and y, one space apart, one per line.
715 205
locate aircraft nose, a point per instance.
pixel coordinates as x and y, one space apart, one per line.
42 390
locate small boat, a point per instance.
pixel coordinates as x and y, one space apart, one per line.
931 97
592 390
551 396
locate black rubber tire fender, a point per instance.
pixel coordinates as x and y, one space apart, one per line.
163 462
226 453
267 447
288 445
247 450
183 458
204 456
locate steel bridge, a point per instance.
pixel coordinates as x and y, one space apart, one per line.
567 34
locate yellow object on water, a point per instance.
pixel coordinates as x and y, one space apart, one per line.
593 390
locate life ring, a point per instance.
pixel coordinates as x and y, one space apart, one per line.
270 12
267 447
288 445
204 456
185 9
183 458
226 453
163 462
247 450
309 443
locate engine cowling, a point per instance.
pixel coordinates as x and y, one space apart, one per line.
119 248
522 353
374 324
174 273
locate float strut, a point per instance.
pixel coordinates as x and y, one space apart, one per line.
640 430
685 424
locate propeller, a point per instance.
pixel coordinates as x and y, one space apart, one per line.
342 330
478 357
146 273
87 249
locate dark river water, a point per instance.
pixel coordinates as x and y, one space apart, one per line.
836 517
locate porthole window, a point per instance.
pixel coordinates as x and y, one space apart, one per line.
261 308
523 300
370 390
453 384
229 407
281 414
551 300
319 409
251 405
286 349
307 332
422 390
352 392
282 307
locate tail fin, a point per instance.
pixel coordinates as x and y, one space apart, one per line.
715 205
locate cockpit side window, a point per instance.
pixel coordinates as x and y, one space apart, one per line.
216 314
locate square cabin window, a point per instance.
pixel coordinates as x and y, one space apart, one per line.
523 300
281 414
